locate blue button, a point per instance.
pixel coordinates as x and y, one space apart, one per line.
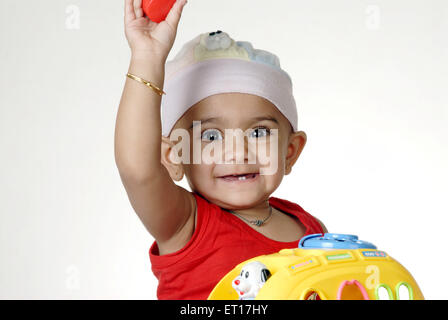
334 241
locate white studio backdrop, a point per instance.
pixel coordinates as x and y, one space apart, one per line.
370 82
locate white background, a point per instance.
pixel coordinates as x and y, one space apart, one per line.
370 82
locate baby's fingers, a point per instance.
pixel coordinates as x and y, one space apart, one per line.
133 10
138 8
173 16
129 12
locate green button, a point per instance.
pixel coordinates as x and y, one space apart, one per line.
339 256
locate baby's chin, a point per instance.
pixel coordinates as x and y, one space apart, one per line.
237 200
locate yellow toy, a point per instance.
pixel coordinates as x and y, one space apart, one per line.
324 267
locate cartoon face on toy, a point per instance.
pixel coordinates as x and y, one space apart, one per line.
252 277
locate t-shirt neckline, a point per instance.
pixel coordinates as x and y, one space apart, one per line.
274 202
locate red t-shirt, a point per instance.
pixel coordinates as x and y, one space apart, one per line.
220 242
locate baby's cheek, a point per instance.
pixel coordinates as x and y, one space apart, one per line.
201 175
271 181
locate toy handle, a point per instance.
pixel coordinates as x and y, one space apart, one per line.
333 241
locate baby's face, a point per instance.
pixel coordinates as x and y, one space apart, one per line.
262 125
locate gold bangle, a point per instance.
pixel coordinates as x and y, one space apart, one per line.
146 83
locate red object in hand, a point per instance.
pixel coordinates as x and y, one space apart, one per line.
157 10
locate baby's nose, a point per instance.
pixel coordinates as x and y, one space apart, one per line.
236 152
237 282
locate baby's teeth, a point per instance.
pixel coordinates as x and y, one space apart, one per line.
242 178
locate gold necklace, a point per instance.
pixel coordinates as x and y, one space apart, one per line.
256 222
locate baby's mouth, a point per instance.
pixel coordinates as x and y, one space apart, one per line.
240 177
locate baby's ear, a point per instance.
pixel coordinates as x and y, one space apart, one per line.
296 143
175 169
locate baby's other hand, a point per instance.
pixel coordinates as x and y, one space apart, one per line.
146 38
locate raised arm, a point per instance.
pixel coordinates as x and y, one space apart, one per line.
166 210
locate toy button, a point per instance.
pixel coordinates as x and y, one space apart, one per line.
334 241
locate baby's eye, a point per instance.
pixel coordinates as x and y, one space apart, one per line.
260 132
211 135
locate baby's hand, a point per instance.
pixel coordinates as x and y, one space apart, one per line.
146 38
